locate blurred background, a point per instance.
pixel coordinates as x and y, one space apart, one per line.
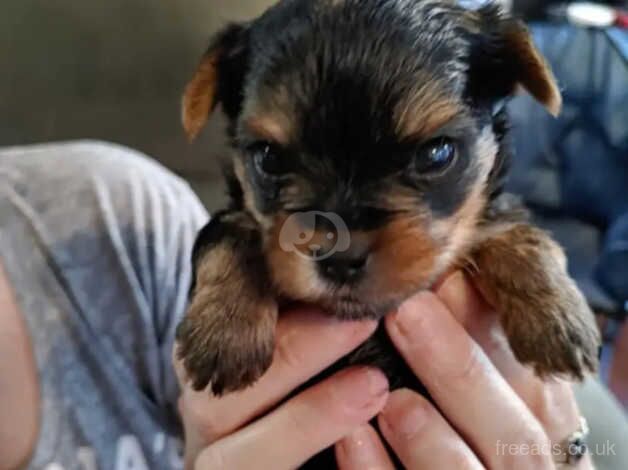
114 70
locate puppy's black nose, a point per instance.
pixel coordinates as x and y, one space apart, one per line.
342 268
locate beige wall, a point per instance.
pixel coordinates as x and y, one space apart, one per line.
110 69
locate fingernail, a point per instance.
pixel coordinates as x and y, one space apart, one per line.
405 419
360 387
360 447
377 382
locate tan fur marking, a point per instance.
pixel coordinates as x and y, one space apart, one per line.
521 271
400 198
266 128
460 229
227 335
249 197
269 114
199 97
294 275
414 250
404 255
425 111
535 75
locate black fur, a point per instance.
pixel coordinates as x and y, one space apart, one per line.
344 69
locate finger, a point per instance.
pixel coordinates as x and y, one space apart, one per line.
421 437
466 304
551 401
464 383
304 426
306 343
363 449
480 320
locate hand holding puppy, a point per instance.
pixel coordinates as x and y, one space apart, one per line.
488 403
404 140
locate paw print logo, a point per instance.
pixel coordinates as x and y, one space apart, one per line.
314 235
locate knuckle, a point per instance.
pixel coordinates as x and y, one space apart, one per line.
465 371
408 414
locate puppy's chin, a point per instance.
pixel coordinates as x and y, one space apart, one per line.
352 308
371 300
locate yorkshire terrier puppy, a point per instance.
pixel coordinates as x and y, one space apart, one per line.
369 152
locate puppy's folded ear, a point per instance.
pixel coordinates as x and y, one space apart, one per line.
218 79
503 58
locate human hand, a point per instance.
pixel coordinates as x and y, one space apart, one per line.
492 411
237 431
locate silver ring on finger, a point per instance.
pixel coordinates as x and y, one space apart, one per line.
573 448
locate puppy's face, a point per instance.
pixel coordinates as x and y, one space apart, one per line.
364 137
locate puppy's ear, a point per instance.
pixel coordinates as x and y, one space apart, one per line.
504 58
218 79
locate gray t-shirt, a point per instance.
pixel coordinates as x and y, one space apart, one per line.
96 241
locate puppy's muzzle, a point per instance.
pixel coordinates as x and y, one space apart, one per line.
344 268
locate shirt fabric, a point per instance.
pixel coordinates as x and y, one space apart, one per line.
96 240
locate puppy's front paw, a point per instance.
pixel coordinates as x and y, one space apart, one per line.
227 336
522 273
561 337
228 346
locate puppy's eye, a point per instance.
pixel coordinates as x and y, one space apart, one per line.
268 160
435 156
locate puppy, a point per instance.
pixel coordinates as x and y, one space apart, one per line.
369 152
